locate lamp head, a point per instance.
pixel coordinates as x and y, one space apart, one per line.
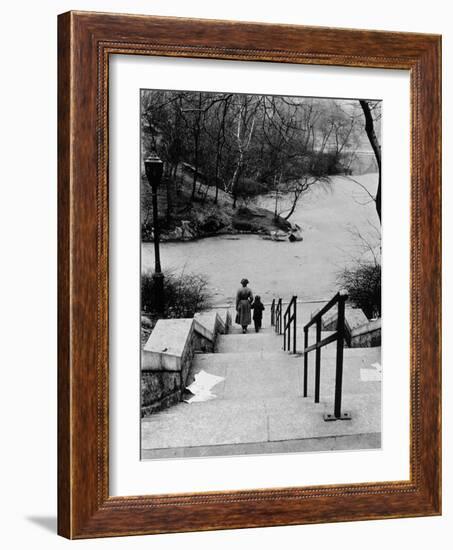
154 168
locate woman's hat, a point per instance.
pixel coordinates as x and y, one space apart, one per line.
244 282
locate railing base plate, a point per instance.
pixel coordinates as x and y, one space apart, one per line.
331 417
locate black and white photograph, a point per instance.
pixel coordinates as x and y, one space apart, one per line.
260 274
207 209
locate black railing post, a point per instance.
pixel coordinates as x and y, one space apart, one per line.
305 361
288 334
318 361
339 336
273 313
288 321
284 329
339 366
276 318
290 324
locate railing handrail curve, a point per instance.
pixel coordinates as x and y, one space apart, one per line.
290 319
278 316
342 294
339 335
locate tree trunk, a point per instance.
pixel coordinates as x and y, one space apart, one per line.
169 199
195 171
194 184
217 163
216 198
293 206
196 131
369 129
220 144
276 198
235 181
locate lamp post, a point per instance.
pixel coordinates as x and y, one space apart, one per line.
154 168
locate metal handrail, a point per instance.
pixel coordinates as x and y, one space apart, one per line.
290 318
273 312
278 317
339 335
325 309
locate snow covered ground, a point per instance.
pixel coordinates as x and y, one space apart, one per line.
329 218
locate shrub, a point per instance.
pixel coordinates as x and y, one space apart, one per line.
184 294
363 283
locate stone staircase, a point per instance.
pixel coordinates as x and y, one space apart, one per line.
260 406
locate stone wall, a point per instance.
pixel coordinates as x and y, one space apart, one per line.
159 390
167 357
367 335
360 332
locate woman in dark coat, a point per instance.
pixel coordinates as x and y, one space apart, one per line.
244 299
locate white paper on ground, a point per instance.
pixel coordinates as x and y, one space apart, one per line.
199 397
201 387
373 374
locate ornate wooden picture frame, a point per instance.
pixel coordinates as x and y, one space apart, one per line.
85 507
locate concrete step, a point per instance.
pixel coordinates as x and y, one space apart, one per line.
267 340
354 360
330 351
266 373
302 445
236 329
250 342
256 420
251 375
260 403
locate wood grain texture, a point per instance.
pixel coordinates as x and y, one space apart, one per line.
85 42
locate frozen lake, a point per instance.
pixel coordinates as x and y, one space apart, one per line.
307 269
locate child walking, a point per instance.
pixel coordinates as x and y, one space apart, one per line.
258 309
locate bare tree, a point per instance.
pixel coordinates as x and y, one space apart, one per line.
315 138
245 125
248 144
368 107
216 129
194 109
